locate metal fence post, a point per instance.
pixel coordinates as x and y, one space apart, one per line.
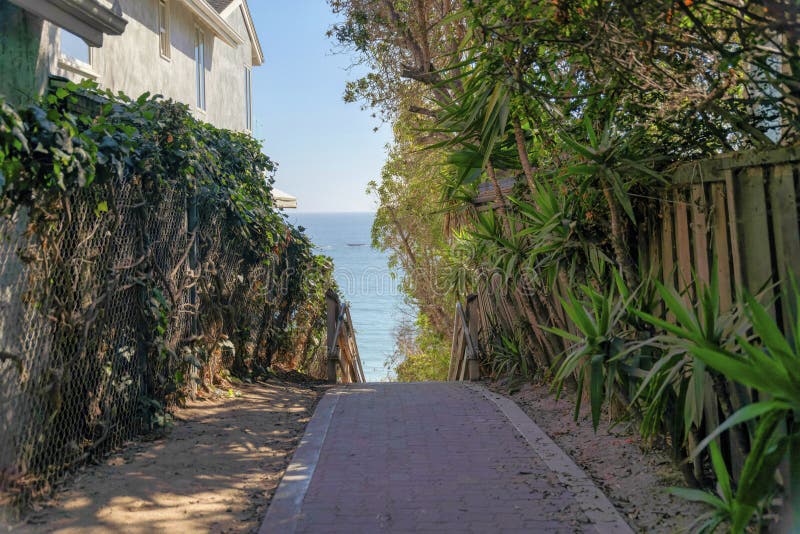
192 224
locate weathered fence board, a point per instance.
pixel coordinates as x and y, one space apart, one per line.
344 362
721 248
700 233
465 356
683 245
733 229
751 204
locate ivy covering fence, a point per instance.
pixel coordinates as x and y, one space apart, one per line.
141 258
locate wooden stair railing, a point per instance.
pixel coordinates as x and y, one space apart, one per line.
465 353
344 362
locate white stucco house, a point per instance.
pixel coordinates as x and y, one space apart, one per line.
198 52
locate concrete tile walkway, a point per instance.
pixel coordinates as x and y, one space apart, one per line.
431 457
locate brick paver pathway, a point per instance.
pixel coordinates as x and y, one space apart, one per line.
429 457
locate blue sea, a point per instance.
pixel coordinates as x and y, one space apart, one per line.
376 304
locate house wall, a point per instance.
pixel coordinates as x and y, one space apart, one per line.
27 47
225 89
132 63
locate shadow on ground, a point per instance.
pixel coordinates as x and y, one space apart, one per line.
215 472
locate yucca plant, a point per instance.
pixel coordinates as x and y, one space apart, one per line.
549 223
672 392
509 358
462 263
612 155
771 365
508 252
737 503
600 351
721 501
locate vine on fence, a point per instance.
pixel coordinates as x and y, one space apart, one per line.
144 255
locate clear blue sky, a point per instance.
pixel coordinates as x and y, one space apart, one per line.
326 150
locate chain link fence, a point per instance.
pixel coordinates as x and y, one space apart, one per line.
115 306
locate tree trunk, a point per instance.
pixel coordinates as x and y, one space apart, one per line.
544 360
519 136
618 234
502 203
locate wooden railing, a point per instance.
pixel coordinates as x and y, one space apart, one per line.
465 355
344 362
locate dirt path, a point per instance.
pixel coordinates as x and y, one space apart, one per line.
214 472
634 478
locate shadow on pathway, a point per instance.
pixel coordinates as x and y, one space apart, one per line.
214 472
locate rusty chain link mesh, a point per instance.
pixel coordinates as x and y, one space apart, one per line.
100 323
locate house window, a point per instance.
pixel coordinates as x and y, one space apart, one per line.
163 29
248 98
74 48
200 67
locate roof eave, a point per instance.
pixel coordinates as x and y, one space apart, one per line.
258 53
89 19
213 20
283 199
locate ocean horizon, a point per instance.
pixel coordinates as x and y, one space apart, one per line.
377 305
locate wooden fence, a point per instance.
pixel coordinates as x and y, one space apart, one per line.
344 362
736 213
465 355
741 209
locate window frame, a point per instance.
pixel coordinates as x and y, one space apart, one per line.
73 64
248 98
69 58
200 69
163 29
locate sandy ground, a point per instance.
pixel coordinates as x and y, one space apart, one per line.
633 476
218 468
214 472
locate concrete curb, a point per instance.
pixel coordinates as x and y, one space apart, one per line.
593 502
285 509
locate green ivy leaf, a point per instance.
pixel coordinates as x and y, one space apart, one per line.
102 207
